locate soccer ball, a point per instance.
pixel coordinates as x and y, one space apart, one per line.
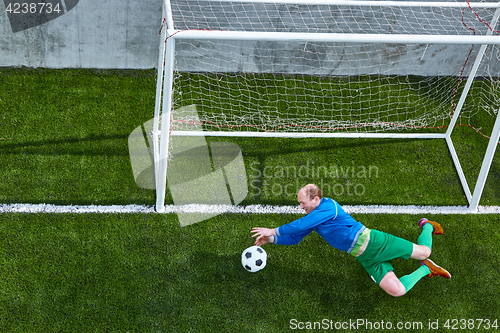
254 258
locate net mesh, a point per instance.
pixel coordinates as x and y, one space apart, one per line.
296 86
270 17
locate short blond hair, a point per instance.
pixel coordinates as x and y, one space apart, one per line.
312 191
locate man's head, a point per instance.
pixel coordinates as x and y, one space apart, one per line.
309 197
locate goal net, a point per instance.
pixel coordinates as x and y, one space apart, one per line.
325 68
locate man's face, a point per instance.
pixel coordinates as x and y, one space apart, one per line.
307 204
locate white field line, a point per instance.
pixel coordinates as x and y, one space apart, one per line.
252 209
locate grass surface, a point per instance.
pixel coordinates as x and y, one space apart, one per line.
144 273
63 140
64 135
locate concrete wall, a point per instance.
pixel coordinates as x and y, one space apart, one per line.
92 34
125 34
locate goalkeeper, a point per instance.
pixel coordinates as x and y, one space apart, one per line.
373 249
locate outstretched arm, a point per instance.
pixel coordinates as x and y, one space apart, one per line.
266 235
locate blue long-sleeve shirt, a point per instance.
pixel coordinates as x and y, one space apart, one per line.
329 220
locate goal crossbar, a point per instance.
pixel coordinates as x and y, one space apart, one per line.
367 3
332 37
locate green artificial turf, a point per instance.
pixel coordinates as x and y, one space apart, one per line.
64 140
64 135
144 273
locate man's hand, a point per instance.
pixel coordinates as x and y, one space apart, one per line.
265 235
262 240
263 232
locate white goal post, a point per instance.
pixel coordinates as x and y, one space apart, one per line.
325 68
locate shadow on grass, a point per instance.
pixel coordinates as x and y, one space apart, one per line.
76 146
313 145
91 145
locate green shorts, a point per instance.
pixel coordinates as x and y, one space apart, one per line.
382 248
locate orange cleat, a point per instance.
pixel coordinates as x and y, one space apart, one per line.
438 229
435 269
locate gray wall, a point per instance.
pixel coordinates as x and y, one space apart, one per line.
94 34
125 34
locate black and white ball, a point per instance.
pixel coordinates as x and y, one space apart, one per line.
254 258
